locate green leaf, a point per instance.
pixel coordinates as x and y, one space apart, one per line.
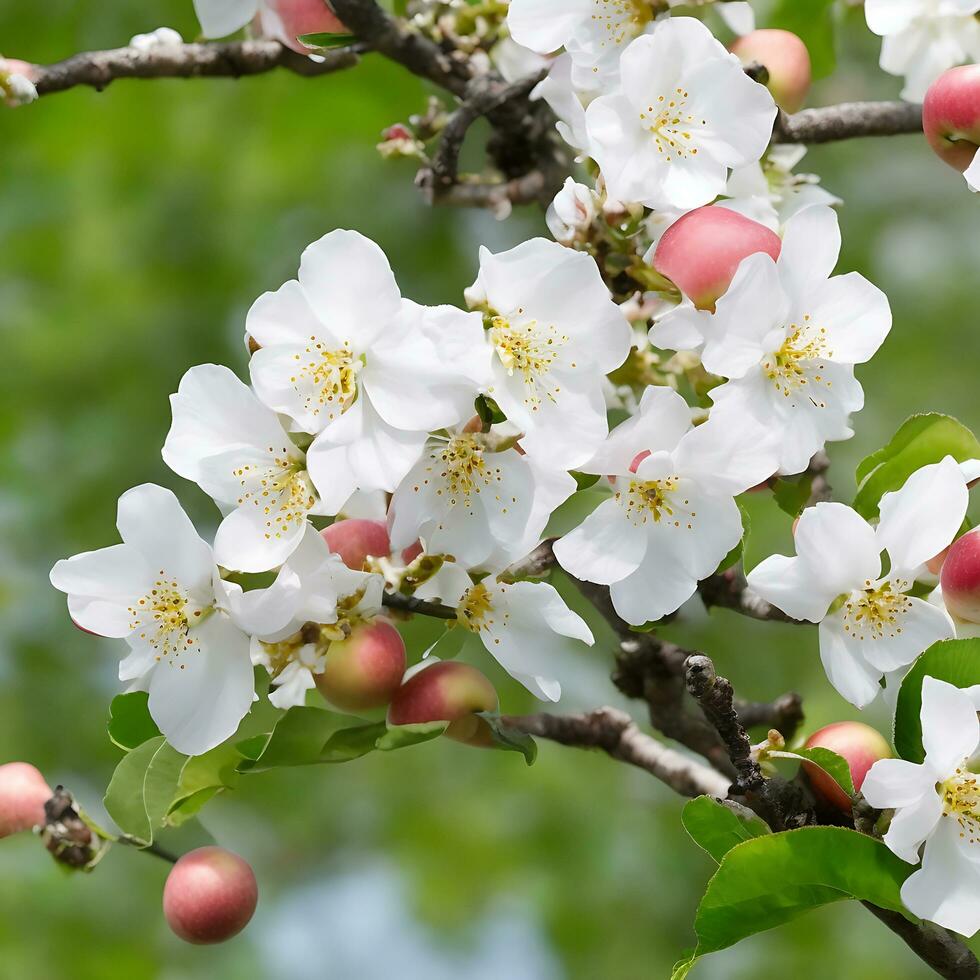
325 40
832 764
488 410
510 739
352 743
922 439
299 738
773 879
955 661
792 493
717 829
124 797
813 21
401 736
130 723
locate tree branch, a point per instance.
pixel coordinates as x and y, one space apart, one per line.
409 604
231 59
616 734
785 714
848 120
947 955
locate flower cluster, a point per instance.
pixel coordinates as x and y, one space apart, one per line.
690 297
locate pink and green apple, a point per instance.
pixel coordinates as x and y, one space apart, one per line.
365 670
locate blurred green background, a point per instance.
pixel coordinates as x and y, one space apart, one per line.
137 226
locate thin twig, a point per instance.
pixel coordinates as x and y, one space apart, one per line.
409 604
231 59
616 734
848 120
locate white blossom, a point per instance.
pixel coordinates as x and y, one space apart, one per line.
186 629
346 358
787 335
937 803
327 600
572 211
566 102
673 517
684 113
225 440
555 333
922 38
482 504
972 174
869 624
593 32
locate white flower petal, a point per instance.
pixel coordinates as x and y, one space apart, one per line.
811 248
102 585
946 890
912 824
350 286
950 729
284 318
922 518
219 18
151 520
660 586
199 698
839 546
791 585
855 315
214 413
896 783
843 660
913 630
891 16
545 25
604 548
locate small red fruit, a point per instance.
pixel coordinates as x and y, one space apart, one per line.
786 59
356 540
960 578
23 793
859 745
700 253
951 116
447 691
365 670
210 896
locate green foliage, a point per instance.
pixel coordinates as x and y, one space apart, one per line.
773 879
791 493
325 40
955 661
921 440
509 739
716 828
401 736
130 723
813 21
834 765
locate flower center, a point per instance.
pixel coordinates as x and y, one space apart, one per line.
669 122
281 489
529 349
620 20
163 618
799 362
659 500
332 374
961 800
876 611
474 608
463 470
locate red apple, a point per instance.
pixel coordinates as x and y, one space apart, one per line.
447 691
960 578
306 17
23 793
786 59
365 670
210 896
701 252
951 116
356 540
859 745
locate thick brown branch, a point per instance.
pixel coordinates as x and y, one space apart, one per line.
947 955
847 120
616 734
499 197
728 590
392 38
785 714
232 59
